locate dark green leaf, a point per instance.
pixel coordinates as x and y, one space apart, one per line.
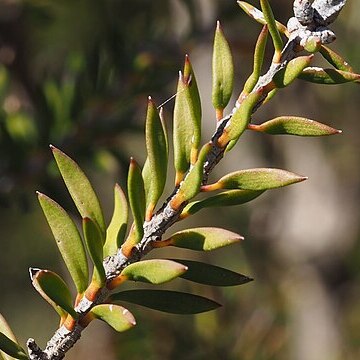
207 274
94 244
79 188
167 301
10 349
328 76
226 198
68 240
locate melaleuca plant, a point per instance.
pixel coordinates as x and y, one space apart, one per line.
117 249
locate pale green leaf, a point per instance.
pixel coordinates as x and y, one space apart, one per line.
187 121
68 240
293 125
116 230
222 70
204 239
79 188
157 150
119 318
154 271
54 290
136 194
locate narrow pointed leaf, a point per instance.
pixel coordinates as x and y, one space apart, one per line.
239 120
222 70
208 274
94 244
328 76
116 230
204 239
293 125
335 59
11 350
157 149
191 184
136 193
6 331
155 271
256 179
258 16
79 188
274 32
292 70
167 301
226 198
119 318
312 44
68 240
187 122
258 60
54 290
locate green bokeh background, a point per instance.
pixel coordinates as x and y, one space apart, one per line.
77 74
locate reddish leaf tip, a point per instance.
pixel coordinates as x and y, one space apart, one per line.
52 147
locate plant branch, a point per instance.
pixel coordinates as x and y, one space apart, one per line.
311 19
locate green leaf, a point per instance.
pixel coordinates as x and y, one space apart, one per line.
204 239
240 120
222 70
116 230
94 244
187 122
293 125
274 32
293 70
68 240
136 193
335 59
157 149
6 331
119 318
167 301
155 271
79 188
258 16
312 44
207 274
258 60
255 179
226 198
328 76
192 182
54 290
11 350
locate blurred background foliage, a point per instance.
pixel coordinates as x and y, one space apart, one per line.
77 74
